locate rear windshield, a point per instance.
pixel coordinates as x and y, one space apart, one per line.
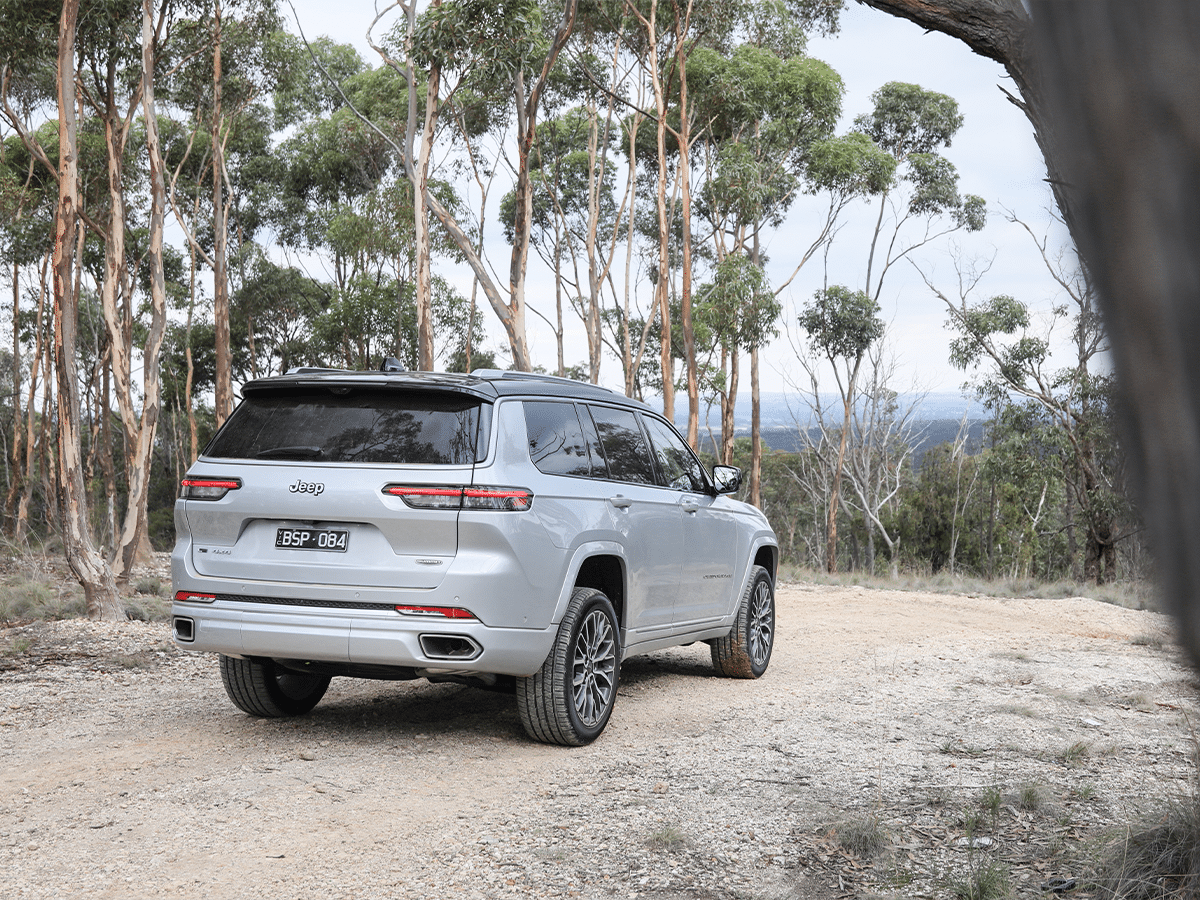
359 425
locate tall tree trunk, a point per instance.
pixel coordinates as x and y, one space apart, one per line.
134 541
100 591
755 432
417 169
223 390
15 479
682 17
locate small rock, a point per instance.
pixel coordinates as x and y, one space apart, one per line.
307 754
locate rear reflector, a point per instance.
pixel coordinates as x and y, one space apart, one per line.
446 612
426 496
194 597
207 488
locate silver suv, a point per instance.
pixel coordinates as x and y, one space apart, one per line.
496 529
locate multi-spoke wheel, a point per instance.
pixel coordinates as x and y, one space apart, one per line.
262 688
746 650
568 701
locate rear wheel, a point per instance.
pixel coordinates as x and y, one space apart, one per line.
262 688
569 700
746 650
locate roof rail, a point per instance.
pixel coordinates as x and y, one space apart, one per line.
510 375
311 370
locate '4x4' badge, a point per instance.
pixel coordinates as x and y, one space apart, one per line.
306 487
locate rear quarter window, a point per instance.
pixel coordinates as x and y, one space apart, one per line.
356 425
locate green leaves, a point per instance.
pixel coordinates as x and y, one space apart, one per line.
841 323
738 306
908 119
850 165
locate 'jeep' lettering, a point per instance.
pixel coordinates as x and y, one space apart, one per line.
306 487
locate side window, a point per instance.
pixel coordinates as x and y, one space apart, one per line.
624 445
556 442
677 466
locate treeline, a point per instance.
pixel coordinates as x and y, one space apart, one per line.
191 197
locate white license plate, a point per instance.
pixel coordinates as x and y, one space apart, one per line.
311 539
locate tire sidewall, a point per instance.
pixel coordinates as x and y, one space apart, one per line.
588 733
764 577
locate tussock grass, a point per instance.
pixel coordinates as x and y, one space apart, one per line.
23 597
668 838
866 838
990 880
1158 860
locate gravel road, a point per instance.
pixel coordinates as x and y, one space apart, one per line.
125 772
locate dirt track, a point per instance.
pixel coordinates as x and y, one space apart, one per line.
125 772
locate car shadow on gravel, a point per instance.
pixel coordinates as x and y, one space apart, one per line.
356 710
644 671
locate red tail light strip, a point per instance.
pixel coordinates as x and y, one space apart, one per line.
207 488
503 499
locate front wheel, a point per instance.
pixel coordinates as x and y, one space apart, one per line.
262 688
568 701
746 650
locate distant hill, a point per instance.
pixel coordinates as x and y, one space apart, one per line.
939 418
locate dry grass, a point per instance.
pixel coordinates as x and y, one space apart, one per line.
1156 861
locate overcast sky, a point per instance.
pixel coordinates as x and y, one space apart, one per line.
995 154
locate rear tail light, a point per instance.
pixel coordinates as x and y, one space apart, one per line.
445 612
207 488
424 496
194 597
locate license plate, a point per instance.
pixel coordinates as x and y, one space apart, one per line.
311 539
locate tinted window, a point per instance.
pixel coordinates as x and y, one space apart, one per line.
556 442
361 425
624 446
677 467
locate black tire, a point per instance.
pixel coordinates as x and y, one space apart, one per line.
568 701
261 688
746 651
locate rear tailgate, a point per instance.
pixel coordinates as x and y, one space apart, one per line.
326 525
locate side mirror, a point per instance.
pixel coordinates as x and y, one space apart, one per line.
727 479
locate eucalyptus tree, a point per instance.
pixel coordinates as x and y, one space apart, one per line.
1000 339
495 51
765 106
230 56
113 82
740 311
574 205
910 125
27 202
85 560
841 325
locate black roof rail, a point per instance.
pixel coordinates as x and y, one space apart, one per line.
511 375
311 370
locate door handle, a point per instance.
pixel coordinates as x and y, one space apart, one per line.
689 505
620 501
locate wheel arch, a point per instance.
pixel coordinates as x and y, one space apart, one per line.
606 573
767 556
600 565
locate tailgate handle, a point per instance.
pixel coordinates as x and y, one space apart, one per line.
620 501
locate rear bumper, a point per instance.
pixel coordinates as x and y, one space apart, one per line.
375 637
358 624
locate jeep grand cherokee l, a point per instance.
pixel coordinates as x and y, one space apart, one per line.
494 529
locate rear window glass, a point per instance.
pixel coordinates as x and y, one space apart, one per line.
367 426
